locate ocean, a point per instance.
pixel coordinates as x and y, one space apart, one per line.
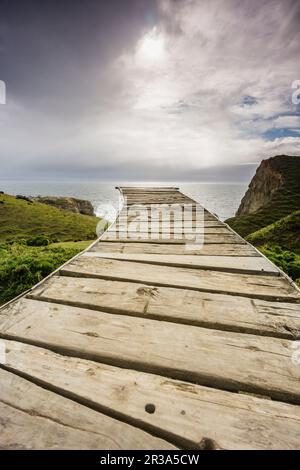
222 199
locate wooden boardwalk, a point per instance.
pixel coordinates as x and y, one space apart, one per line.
143 342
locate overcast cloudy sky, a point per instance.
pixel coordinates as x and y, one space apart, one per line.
146 89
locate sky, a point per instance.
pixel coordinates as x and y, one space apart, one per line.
147 89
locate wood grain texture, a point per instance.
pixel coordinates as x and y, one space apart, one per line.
248 265
157 199
172 249
33 418
177 238
155 211
188 414
225 360
223 312
177 227
173 224
265 287
147 188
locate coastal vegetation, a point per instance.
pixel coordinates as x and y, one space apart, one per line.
269 214
280 242
22 219
23 266
35 239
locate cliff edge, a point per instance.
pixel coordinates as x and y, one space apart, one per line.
273 193
267 180
69 204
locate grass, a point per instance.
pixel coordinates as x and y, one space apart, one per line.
280 242
22 220
284 233
23 266
286 260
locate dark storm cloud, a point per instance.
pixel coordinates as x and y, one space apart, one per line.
51 49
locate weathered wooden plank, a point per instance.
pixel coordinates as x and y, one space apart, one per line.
153 201
223 312
158 198
184 207
191 209
214 233
149 201
266 287
189 414
147 216
155 211
246 265
210 238
155 227
173 249
161 194
152 209
158 195
217 225
137 189
132 229
147 198
149 191
144 191
225 360
33 418
191 214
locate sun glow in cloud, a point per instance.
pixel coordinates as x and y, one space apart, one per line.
151 48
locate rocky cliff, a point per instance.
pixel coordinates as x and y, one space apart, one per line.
273 193
267 180
69 204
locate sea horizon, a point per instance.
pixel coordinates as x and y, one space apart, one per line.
221 198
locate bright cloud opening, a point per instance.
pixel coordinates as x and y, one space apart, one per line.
151 48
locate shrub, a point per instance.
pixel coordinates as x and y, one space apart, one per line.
40 240
286 260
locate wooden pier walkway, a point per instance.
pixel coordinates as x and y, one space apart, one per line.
141 343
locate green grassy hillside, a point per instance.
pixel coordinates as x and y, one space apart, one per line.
20 219
280 242
284 201
285 233
35 239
